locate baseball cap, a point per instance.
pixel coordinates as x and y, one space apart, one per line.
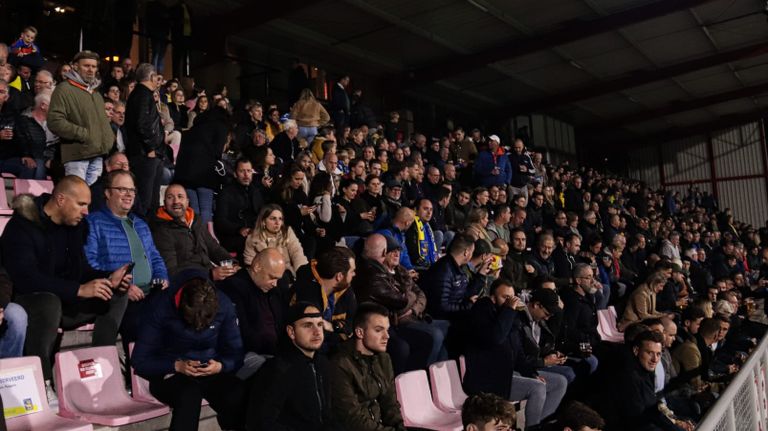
297 312
392 244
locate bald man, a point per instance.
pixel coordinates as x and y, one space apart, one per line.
414 343
402 220
260 294
42 249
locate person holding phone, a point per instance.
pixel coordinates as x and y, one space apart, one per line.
189 349
43 251
117 236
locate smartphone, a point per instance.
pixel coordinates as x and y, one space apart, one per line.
203 364
129 268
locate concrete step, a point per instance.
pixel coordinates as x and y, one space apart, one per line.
207 423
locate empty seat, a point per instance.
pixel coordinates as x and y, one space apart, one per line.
606 326
33 187
90 386
447 392
44 418
417 407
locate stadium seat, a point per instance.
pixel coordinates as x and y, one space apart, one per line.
606 326
416 404
4 222
45 419
447 392
33 187
462 366
5 208
90 387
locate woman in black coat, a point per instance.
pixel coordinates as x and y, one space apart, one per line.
199 168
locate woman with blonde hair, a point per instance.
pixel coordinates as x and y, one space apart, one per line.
309 115
270 231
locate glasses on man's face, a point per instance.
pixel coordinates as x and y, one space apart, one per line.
124 190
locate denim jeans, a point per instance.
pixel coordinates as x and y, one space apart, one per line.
201 200
251 364
16 167
307 133
542 398
12 342
437 330
602 296
89 170
40 170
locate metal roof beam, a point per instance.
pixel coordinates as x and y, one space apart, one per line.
566 33
638 78
674 108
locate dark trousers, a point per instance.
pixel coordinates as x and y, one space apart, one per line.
224 392
46 314
409 349
148 172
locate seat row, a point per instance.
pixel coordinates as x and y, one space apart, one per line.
90 389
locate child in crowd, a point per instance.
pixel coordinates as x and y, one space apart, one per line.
25 46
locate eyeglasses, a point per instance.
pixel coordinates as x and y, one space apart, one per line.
124 190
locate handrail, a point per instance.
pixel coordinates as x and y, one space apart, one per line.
743 406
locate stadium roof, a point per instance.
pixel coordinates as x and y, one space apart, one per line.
615 69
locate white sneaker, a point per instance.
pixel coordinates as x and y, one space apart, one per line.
50 393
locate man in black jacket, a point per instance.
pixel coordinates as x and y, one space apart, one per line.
636 404
260 295
565 258
42 249
183 241
326 283
236 208
145 137
292 390
579 331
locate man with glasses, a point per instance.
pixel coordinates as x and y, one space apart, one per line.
579 328
116 237
117 161
117 122
43 252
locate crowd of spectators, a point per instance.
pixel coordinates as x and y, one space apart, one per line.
287 267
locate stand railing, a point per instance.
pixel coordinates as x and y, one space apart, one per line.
743 406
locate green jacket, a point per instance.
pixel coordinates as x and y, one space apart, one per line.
78 117
363 391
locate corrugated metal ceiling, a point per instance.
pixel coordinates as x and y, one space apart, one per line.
407 34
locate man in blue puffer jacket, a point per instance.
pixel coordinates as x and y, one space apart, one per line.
117 236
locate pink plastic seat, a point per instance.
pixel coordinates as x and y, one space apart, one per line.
140 386
606 326
417 407
5 208
45 419
33 187
90 387
3 223
447 392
